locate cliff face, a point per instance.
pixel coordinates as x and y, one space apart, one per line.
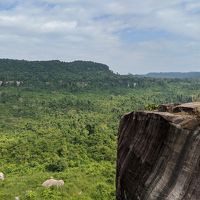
159 154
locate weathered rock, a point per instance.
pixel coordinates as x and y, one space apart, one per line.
167 107
2 177
191 108
53 182
159 155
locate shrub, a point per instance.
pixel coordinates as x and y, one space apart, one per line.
57 165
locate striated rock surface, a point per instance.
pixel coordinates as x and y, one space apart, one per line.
159 154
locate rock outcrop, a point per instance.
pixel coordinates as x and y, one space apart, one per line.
159 154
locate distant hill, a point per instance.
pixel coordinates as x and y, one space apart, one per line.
51 70
180 75
77 75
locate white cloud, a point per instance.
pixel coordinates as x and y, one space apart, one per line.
54 26
89 30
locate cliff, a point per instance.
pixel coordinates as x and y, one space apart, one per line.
159 154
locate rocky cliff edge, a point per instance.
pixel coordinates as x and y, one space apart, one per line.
159 154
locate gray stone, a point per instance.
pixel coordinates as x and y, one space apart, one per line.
2 176
53 182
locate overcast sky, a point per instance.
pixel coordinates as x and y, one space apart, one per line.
131 36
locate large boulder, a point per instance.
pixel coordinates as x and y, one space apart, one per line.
53 182
158 154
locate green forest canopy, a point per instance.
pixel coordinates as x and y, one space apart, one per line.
61 119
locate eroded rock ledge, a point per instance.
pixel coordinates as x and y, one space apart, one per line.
159 154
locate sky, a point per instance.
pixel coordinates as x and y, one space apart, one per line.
131 36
